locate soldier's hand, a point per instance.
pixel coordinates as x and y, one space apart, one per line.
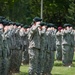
15 26
19 27
1 25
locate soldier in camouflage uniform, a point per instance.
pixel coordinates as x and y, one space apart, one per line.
67 45
34 47
42 30
1 46
22 35
26 45
51 47
16 53
59 44
6 51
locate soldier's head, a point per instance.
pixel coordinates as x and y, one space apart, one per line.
1 27
26 27
6 26
37 20
59 28
18 25
22 29
51 26
43 25
67 26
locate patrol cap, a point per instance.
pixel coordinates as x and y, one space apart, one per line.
17 24
21 24
11 22
5 22
1 17
36 19
0 21
43 24
66 24
26 26
50 25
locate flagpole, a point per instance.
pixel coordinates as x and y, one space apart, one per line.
42 9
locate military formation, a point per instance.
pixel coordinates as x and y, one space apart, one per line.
13 45
36 44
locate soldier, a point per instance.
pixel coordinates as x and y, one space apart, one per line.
34 47
42 31
1 46
6 52
51 47
16 53
26 44
22 34
18 49
59 44
67 45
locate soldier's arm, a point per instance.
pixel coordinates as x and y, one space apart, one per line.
33 29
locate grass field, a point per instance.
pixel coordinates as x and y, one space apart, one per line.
58 69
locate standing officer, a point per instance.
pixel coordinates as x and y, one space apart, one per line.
59 44
34 47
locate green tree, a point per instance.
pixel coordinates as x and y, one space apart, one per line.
71 13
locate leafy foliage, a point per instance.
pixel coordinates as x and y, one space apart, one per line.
56 11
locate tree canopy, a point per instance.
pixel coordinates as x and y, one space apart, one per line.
56 11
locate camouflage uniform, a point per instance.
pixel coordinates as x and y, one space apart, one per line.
6 54
22 35
51 47
1 50
15 51
16 55
42 50
67 46
26 44
58 46
34 49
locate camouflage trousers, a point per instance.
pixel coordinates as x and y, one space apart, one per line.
15 61
50 61
34 66
67 55
43 61
59 52
5 66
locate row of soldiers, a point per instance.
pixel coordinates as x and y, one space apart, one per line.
38 42
42 46
44 40
13 41
65 44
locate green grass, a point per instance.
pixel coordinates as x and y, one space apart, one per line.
58 69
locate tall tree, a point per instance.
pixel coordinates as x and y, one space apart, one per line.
71 13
